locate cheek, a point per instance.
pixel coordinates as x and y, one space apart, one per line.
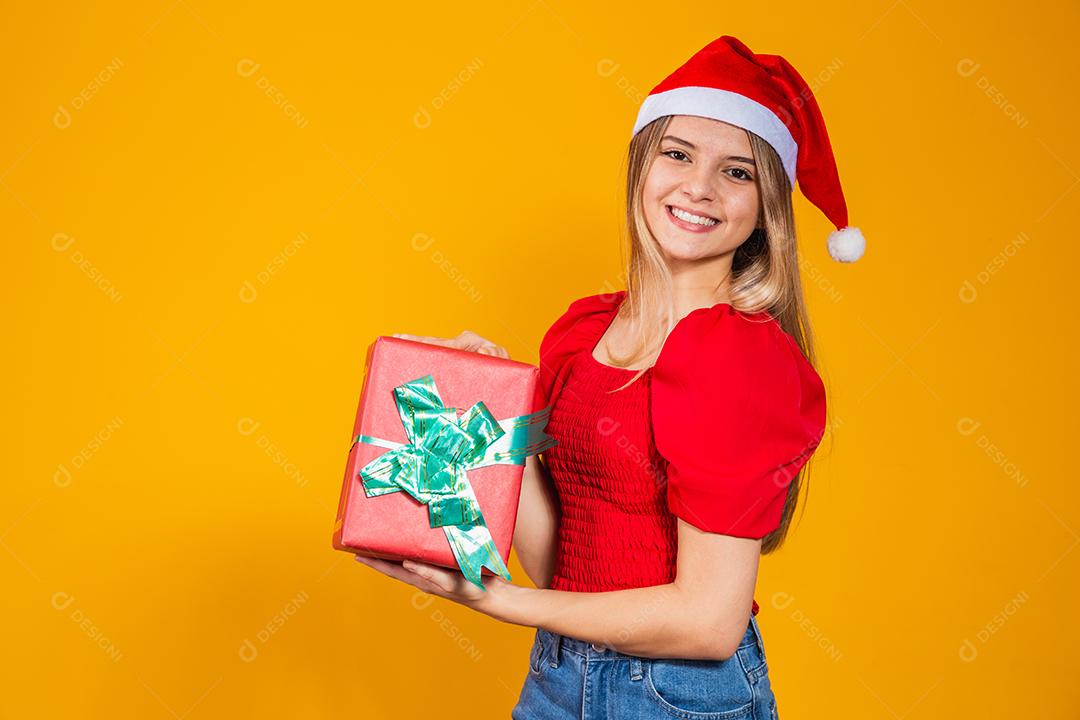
658 182
744 205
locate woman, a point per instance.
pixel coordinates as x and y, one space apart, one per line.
685 407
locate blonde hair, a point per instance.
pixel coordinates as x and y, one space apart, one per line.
764 273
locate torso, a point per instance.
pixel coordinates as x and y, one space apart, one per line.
615 531
615 528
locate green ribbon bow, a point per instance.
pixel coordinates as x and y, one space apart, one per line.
432 465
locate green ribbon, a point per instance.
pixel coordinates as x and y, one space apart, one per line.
432 465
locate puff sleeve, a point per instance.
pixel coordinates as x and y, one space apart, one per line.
737 411
575 331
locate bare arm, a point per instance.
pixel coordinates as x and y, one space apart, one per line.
702 614
535 534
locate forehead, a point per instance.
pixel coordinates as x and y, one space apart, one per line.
708 133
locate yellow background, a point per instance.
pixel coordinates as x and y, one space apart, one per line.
210 212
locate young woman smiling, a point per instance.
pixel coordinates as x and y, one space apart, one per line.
686 408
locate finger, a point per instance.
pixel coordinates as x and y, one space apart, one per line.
452 582
467 340
495 350
439 576
425 585
456 342
471 341
423 338
398 571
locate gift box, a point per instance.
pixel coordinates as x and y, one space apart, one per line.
439 446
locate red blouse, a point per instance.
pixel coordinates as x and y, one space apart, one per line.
713 433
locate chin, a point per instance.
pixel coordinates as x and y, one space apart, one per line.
683 253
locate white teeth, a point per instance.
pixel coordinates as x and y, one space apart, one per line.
696 219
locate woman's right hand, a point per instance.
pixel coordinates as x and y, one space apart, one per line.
467 340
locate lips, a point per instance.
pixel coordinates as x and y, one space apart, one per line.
690 226
693 212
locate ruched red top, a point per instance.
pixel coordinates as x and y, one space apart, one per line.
712 433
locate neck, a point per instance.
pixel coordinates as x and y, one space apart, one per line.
701 284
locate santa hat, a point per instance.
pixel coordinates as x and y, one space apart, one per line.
764 94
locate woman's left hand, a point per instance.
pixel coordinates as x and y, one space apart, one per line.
449 584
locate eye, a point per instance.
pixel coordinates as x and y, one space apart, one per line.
746 175
669 154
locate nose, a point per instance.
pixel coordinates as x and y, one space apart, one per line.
698 185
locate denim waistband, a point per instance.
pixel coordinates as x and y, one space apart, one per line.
554 642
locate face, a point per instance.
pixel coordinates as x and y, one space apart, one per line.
701 195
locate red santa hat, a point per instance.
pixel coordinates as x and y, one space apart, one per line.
764 94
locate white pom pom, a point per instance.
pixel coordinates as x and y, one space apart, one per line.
846 245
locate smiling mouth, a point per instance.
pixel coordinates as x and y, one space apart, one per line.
689 218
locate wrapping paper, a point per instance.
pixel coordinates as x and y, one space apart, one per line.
439 444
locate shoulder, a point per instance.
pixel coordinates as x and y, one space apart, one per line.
731 364
737 411
578 322
721 336
576 330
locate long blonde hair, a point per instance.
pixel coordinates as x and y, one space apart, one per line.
764 273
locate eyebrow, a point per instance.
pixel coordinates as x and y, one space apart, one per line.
736 158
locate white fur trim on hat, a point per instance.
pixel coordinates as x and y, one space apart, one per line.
728 107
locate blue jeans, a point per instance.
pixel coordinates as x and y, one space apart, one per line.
573 679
